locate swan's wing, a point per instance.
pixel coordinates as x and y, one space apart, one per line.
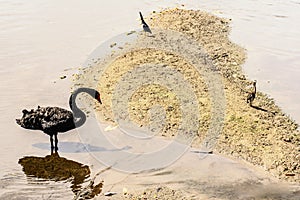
55 119
47 119
56 114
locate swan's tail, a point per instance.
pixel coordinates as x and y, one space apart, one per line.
18 121
29 120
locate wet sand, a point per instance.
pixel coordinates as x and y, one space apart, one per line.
195 175
261 135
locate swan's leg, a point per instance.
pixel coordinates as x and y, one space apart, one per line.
56 142
51 141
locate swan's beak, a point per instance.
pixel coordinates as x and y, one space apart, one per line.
97 97
99 100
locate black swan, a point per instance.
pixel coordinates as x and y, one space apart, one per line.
52 120
145 25
252 94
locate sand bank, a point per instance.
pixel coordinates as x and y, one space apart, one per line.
262 135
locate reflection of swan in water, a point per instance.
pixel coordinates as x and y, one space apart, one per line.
52 120
56 168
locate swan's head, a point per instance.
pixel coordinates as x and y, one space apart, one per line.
97 97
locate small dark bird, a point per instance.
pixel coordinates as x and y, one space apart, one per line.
145 25
54 120
252 94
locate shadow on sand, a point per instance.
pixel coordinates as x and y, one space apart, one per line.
77 147
261 109
56 168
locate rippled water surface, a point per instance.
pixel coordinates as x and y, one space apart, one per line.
43 40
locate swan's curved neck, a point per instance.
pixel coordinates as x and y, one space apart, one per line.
77 113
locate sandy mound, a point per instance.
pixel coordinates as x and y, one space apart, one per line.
261 135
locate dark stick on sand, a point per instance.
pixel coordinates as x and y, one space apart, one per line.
145 25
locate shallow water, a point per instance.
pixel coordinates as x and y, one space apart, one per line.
43 40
